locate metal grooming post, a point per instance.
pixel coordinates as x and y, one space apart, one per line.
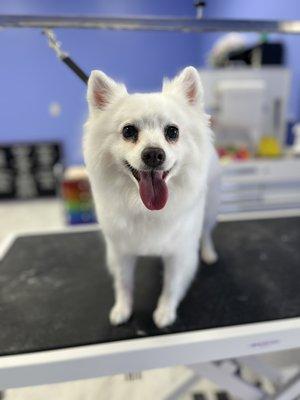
149 23
199 4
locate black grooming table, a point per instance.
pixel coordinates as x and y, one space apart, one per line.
55 291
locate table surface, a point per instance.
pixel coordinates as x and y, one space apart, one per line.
55 291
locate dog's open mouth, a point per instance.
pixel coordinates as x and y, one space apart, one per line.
152 186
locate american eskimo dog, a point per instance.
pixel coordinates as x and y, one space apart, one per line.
154 176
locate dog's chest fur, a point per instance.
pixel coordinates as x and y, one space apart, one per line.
136 230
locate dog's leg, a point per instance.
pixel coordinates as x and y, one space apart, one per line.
208 251
179 271
122 269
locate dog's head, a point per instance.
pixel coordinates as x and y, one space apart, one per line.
152 138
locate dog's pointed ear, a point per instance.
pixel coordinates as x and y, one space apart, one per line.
102 90
187 84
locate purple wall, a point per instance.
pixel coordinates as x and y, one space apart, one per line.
32 77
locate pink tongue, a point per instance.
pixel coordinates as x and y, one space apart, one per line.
153 189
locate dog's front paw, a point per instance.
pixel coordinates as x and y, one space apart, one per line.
164 315
120 313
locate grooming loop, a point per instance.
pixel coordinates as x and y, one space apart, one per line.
63 56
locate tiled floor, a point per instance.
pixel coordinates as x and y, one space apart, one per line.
154 385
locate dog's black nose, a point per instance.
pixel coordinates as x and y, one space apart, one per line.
153 156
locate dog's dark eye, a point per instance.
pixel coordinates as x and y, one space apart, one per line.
171 133
130 132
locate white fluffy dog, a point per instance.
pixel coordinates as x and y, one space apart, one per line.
152 168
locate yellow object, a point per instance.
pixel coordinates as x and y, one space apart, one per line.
269 146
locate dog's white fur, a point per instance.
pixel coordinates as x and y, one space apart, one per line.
131 229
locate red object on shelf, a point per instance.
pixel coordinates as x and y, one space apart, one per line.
234 153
